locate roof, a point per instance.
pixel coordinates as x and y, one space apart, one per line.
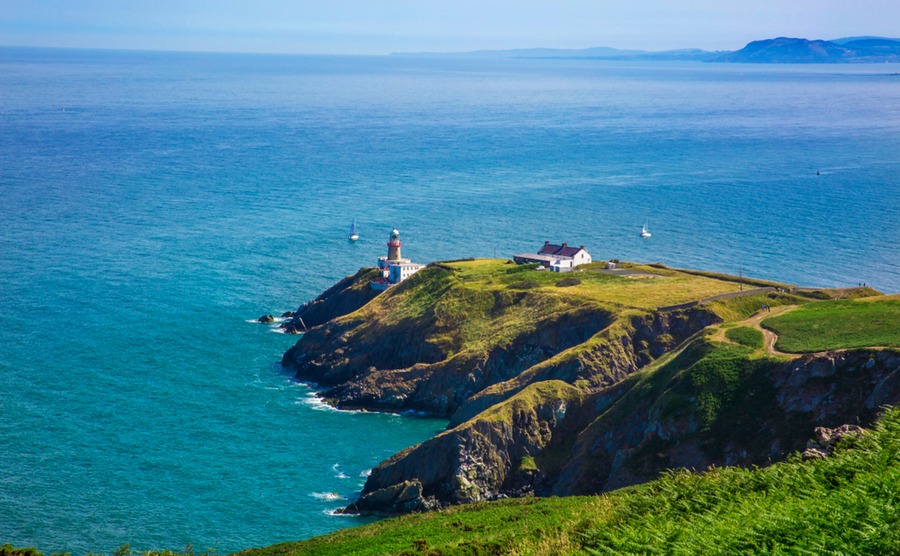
533 257
559 250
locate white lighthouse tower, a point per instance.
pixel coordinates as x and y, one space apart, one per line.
394 268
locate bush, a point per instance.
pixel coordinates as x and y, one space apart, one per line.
566 282
523 285
10 550
522 268
746 336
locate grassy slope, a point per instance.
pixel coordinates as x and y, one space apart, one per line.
746 336
838 324
720 384
474 306
847 503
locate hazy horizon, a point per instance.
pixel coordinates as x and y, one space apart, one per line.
379 27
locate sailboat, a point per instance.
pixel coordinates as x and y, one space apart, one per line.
353 235
644 232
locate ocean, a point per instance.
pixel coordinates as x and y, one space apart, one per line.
153 205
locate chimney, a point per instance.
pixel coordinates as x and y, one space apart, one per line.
547 242
565 244
582 247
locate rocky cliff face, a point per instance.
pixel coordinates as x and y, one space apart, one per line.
562 441
475 461
346 296
773 409
614 353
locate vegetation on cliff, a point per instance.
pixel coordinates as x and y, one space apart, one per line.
845 504
593 386
455 329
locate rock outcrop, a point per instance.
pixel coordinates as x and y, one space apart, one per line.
826 439
346 296
481 459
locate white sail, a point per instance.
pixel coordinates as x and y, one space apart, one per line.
353 235
644 232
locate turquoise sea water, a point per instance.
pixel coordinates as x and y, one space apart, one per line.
152 204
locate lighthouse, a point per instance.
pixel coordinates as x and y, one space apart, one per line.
394 268
394 246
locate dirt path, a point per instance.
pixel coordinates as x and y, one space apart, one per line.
770 336
754 320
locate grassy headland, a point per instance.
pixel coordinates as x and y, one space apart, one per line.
583 384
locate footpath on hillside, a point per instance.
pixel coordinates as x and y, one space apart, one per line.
755 320
771 337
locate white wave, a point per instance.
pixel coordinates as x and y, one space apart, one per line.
327 496
364 474
277 321
337 472
314 402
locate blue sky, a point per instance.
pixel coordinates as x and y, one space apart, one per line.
383 26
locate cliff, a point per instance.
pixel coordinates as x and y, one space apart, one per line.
840 504
583 385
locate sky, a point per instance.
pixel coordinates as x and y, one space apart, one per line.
385 26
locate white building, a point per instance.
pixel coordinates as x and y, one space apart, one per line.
394 268
558 258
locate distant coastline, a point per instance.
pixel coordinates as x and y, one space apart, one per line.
780 50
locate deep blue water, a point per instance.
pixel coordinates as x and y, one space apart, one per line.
151 204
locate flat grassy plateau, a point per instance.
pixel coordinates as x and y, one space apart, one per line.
841 324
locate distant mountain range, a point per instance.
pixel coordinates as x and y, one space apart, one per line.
781 50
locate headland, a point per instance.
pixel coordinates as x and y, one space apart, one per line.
584 382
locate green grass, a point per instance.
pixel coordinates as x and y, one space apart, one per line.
746 336
846 504
840 324
739 308
746 280
730 387
468 308
667 288
721 385
528 463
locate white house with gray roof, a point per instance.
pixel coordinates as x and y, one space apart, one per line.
558 258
